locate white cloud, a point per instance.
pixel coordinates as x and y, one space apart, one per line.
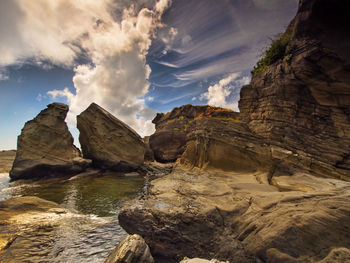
219 94
114 35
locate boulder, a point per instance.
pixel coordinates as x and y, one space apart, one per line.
132 249
45 147
109 142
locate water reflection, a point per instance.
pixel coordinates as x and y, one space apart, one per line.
86 235
91 194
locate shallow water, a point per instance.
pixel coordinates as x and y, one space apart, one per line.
88 234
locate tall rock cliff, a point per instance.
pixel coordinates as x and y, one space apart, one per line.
301 102
45 147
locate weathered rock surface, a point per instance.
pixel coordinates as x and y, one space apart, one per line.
45 147
200 260
246 191
108 142
149 156
132 249
18 212
302 102
241 217
169 140
6 160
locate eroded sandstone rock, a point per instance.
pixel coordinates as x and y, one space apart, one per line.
108 142
236 216
172 128
302 102
45 147
132 249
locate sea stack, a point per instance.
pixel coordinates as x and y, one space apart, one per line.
108 142
45 147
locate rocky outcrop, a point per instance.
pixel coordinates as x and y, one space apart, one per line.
6 160
108 142
132 249
302 101
262 186
45 147
241 217
169 140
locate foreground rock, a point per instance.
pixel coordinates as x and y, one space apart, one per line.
108 142
18 212
240 217
45 147
169 140
6 160
200 260
132 249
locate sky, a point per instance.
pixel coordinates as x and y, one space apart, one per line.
132 57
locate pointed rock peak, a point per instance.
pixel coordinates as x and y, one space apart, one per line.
45 146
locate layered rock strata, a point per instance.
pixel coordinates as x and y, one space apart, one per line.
302 102
246 190
108 142
45 147
169 140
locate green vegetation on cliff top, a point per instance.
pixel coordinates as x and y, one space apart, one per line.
276 51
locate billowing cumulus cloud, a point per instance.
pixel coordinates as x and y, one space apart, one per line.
222 93
113 37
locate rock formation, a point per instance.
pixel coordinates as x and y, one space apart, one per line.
108 142
302 101
132 249
247 190
6 160
169 140
241 217
45 147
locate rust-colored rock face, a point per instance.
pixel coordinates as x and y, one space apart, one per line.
302 102
169 140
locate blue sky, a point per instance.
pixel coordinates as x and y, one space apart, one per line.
134 58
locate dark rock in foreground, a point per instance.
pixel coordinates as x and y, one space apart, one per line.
45 147
132 249
108 142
